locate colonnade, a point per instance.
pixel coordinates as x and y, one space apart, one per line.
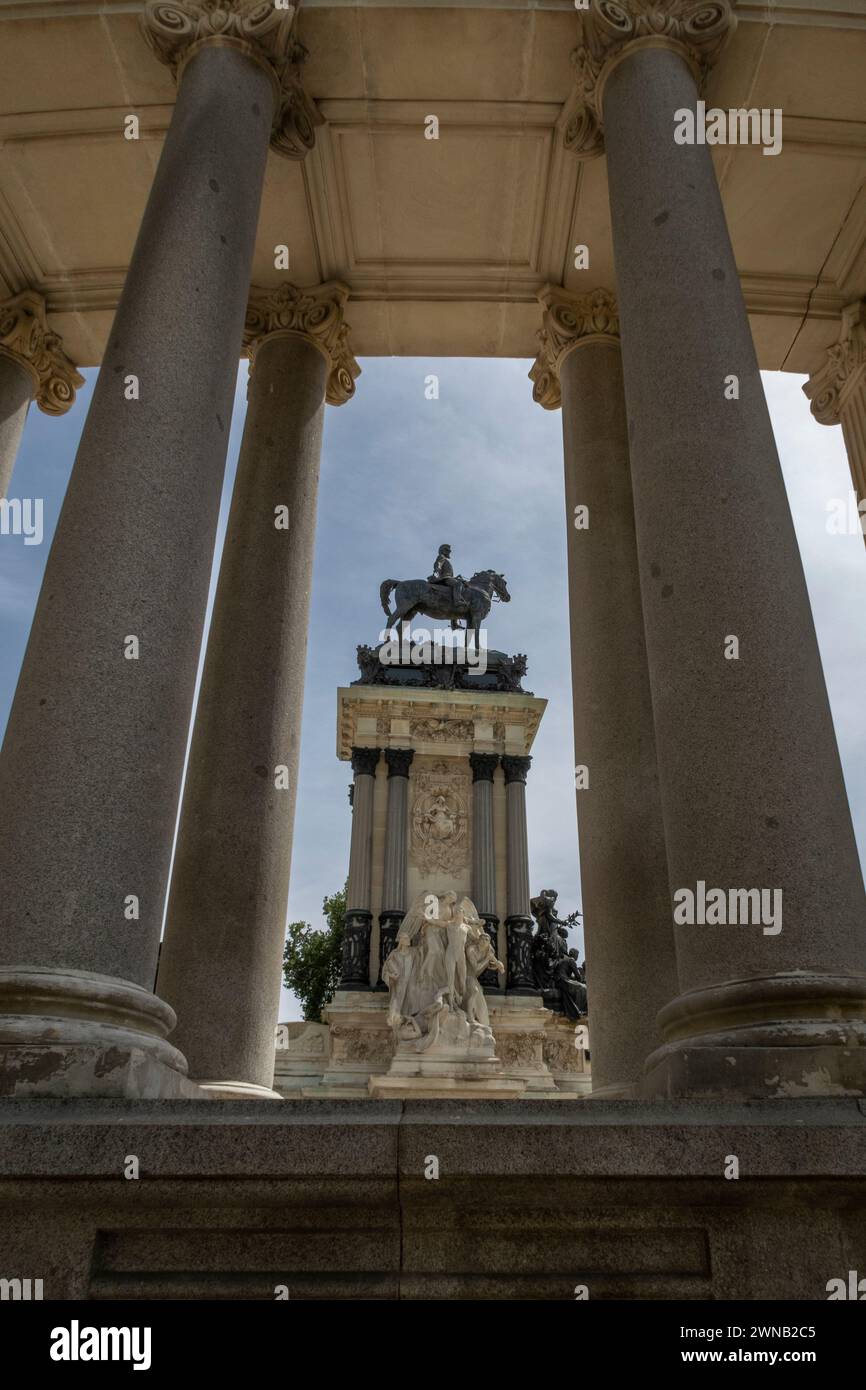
702 768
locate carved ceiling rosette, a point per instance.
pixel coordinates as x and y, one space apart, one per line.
698 29
316 314
440 821
569 319
27 339
176 29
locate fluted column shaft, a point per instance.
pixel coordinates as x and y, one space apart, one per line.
220 962
484 854
396 853
91 763
630 960
751 784
519 920
359 918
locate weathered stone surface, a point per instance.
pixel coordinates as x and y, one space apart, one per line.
332 1199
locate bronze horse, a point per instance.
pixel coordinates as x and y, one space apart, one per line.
414 596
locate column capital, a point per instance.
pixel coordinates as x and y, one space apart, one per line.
314 313
176 29
398 760
610 29
844 371
483 766
27 339
364 761
570 320
515 768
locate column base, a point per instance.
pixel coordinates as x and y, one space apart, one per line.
356 951
521 980
781 1036
73 1033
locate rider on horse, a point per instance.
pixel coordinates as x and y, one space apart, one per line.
443 573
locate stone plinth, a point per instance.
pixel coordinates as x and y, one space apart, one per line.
301 1057
519 1025
361 1044
627 1198
566 1057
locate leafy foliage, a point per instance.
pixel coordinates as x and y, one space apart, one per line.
312 957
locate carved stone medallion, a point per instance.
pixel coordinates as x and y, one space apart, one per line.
440 820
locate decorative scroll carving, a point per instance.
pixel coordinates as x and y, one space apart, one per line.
698 29
440 820
568 320
175 29
316 314
844 370
27 339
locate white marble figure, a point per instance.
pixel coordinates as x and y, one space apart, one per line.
432 975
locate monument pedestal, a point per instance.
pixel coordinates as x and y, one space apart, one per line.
461 1062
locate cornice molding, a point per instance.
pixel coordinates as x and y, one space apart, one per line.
176 29
27 339
844 371
315 314
569 321
610 29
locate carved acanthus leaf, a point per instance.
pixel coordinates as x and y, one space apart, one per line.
568 318
26 337
175 28
699 29
844 370
314 313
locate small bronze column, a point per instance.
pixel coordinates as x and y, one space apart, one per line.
483 855
396 833
359 918
518 923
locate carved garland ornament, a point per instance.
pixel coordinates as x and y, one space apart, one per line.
27 339
698 29
175 29
568 320
844 370
440 821
316 314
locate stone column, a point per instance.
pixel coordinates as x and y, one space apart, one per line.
359 918
222 952
518 923
483 767
630 960
752 792
837 394
91 765
396 852
33 366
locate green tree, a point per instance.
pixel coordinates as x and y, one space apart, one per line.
312 958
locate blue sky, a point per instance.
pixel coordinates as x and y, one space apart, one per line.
481 468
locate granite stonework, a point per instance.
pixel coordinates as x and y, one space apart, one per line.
629 1199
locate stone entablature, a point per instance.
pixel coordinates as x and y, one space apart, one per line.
428 722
